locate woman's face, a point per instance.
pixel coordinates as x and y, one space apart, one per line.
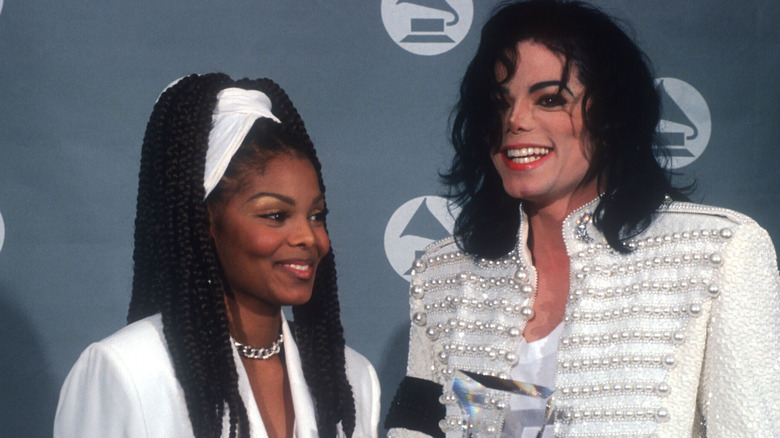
543 156
270 235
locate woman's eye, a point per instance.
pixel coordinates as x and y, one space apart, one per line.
551 101
276 216
318 217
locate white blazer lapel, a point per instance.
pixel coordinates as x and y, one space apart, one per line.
305 418
256 426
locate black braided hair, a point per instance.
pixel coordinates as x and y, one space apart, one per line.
177 272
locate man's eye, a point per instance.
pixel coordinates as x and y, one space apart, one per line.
551 101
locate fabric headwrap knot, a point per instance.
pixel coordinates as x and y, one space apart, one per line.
236 111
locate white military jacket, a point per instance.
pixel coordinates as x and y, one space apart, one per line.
679 338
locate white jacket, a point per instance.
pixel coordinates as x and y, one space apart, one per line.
125 386
680 338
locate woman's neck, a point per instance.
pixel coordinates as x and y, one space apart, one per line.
257 328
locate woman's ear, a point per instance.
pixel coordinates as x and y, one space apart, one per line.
213 215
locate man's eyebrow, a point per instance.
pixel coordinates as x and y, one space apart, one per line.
541 85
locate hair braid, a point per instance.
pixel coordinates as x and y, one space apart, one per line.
321 338
175 264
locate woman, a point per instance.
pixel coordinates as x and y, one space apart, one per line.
230 227
576 266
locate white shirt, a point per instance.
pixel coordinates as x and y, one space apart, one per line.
537 363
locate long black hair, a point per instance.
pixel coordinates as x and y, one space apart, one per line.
177 271
621 109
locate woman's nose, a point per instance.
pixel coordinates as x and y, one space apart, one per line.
302 234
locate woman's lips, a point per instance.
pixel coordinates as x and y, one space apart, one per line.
525 157
301 269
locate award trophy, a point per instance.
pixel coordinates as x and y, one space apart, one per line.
473 393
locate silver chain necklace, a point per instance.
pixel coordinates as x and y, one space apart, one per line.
250 352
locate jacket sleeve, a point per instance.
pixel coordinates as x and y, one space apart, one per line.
365 387
99 399
739 394
416 410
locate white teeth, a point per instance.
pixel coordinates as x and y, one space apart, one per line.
526 152
298 267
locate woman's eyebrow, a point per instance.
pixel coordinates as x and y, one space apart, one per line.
285 199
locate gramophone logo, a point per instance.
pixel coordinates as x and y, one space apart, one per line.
427 27
686 124
414 226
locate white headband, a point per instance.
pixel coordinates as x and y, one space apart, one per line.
235 113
